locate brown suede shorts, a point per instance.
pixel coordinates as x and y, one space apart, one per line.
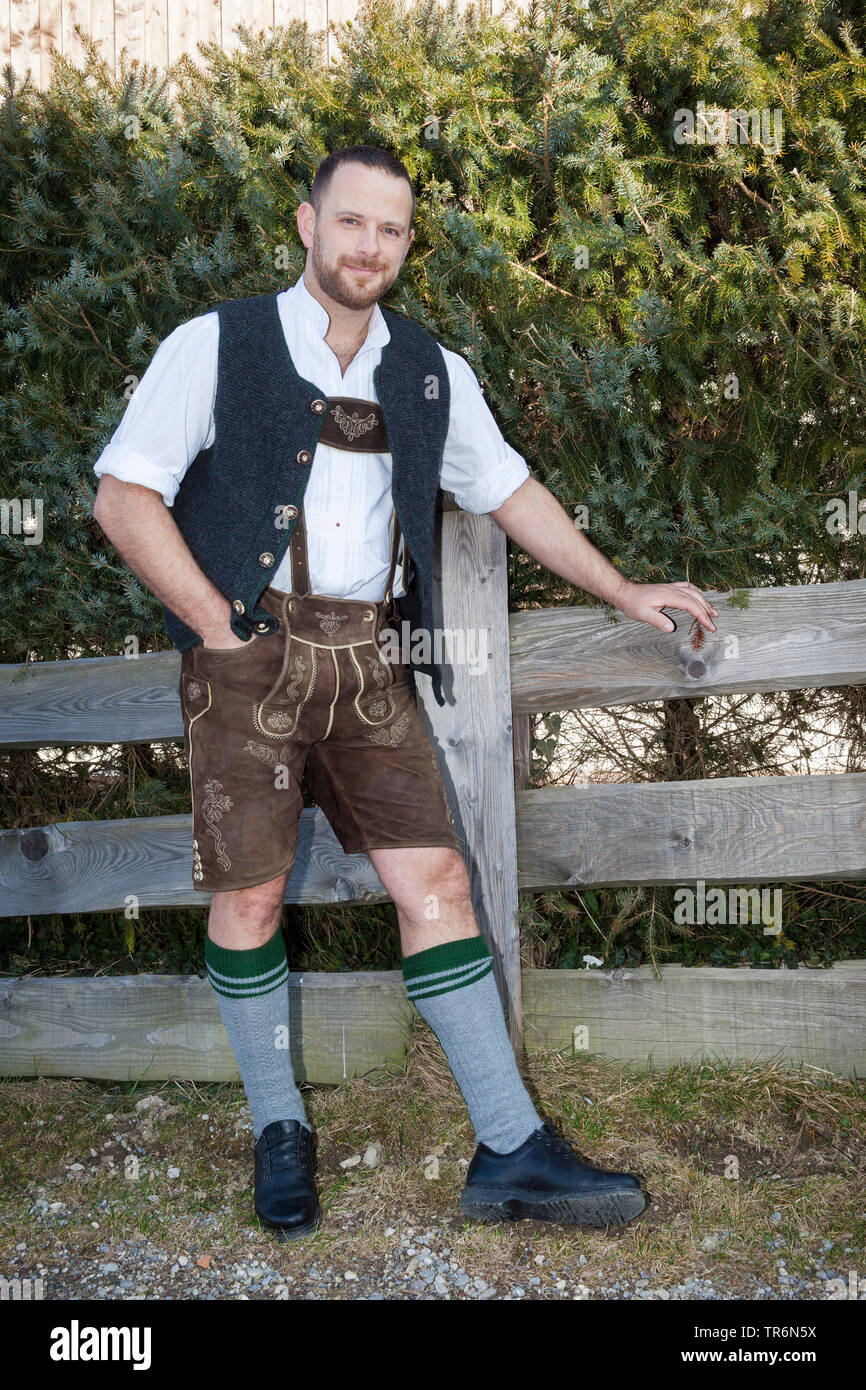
316 699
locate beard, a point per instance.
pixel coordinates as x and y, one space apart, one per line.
338 282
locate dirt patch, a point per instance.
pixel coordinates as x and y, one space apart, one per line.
729 1155
113 1194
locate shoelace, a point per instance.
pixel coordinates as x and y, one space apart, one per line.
560 1145
283 1152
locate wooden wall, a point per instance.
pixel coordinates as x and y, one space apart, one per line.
154 31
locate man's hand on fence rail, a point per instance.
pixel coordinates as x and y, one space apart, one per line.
645 601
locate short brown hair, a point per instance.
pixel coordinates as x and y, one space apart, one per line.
371 156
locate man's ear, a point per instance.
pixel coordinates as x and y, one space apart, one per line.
306 217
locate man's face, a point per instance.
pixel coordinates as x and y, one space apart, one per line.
360 238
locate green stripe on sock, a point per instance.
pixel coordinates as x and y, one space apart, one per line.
447 966
247 989
241 974
448 982
445 956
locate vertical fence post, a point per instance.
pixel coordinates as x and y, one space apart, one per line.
473 730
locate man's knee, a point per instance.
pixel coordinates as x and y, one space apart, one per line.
433 879
256 911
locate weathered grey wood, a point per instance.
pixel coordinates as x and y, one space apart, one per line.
92 699
560 658
724 830
811 1016
159 1026
343 1025
472 731
159 34
522 734
787 639
98 866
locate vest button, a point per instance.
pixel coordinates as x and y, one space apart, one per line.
289 512
318 406
304 456
261 627
238 606
266 558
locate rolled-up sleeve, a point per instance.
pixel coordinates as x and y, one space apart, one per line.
169 418
478 465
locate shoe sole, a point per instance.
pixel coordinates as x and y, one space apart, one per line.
292 1232
591 1209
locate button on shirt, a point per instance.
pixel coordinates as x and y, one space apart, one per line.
347 504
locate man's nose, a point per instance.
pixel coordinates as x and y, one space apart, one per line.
368 245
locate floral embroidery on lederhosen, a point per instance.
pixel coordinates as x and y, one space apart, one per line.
393 735
330 622
196 700
278 714
351 425
268 755
214 806
374 702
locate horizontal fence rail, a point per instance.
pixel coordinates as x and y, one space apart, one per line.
727 830
158 1026
561 658
706 1013
155 1027
790 638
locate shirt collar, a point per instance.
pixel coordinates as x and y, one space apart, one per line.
317 318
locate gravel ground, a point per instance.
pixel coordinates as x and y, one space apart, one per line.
420 1265
111 1195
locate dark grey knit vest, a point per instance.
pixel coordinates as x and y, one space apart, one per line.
231 503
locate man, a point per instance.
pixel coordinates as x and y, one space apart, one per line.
294 437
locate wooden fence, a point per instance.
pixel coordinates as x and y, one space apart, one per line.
736 830
159 32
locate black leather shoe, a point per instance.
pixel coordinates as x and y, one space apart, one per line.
286 1196
546 1180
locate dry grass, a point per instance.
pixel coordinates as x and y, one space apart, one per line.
797 1137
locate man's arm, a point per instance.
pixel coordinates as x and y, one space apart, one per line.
141 528
534 518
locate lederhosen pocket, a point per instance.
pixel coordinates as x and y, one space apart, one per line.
374 701
278 714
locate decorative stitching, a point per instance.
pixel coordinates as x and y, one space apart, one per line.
330 622
266 754
378 709
351 426
281 719
299 668
213 807
194 689
392 735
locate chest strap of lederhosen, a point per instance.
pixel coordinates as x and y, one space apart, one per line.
301 571
355 425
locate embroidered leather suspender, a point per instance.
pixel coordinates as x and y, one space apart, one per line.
358 426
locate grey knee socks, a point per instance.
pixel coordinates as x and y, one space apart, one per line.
253 994
454 990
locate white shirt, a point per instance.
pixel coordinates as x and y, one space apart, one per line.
347 504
